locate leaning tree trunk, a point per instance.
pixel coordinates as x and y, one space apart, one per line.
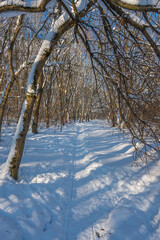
58 28
16 152
37 104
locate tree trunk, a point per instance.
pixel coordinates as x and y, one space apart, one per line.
20 135
17 147
37 104
3 102
47 105
58 28
47 115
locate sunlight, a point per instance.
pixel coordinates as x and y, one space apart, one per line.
86 172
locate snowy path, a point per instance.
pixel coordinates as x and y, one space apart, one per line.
79 184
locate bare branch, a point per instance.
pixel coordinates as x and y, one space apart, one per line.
145 6
30 6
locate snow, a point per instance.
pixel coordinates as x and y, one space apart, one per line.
5 169
50 6
45 47
142 2
18 3
22 66
21 3
80 5
79 184
3 93
136 19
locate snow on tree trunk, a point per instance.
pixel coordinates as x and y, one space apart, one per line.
58 28
16 152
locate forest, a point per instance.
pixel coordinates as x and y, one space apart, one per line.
79 119
65 61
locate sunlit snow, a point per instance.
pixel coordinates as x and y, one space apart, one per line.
79 184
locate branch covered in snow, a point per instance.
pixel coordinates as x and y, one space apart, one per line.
138 5
21 6
14 6
22 67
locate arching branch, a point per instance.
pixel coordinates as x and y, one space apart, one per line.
145 6
30 6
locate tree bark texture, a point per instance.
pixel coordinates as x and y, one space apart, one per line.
20 139
37 104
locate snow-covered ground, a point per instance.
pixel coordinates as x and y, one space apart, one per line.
79 184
